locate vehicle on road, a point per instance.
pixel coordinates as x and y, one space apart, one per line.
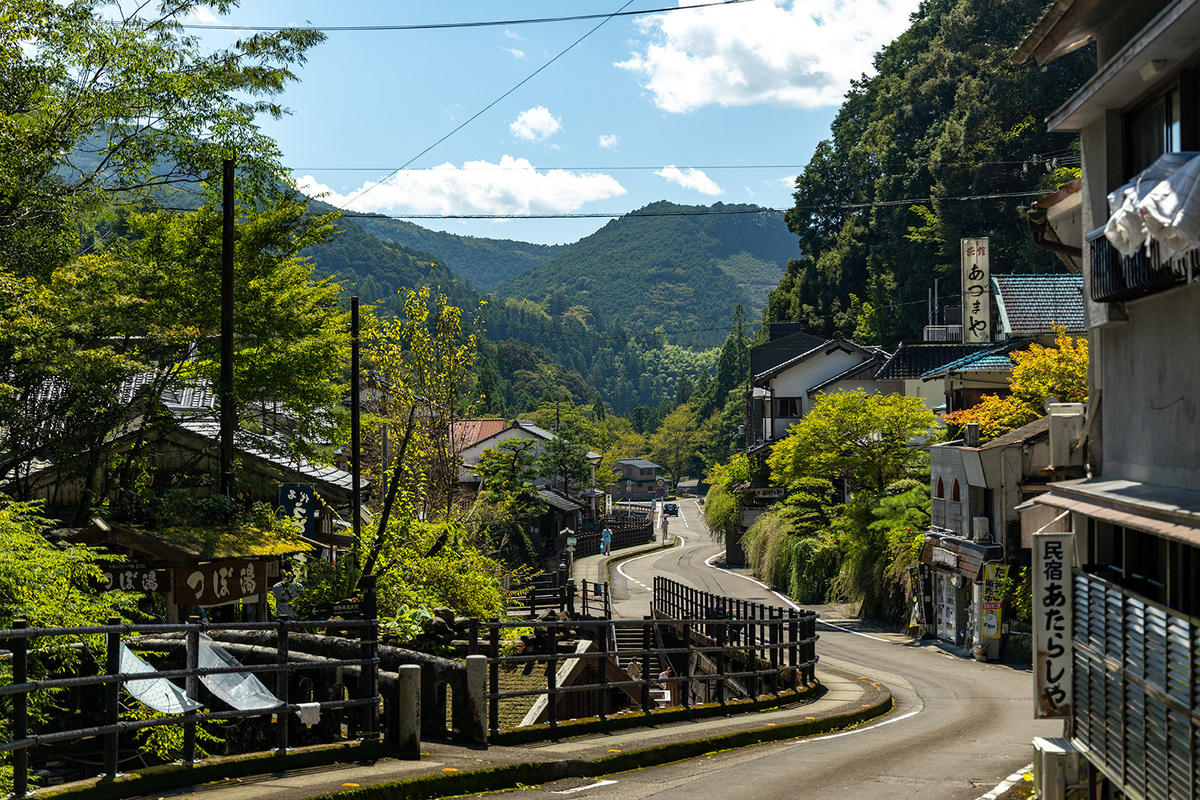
671 508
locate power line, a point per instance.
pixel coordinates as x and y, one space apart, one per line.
480 113
447 25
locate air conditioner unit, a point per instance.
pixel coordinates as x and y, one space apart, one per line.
1066 426
980 529
1060 771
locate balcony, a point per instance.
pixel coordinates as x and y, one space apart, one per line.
1117 278
943 333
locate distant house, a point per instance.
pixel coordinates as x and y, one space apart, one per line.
902 372
478 436
638 480
987 370
1029 306
784 392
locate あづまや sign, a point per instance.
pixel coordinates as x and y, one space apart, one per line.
976 292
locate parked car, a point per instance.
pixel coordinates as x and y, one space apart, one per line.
671 508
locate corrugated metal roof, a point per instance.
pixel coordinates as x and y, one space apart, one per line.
640 463
1034 304
466 432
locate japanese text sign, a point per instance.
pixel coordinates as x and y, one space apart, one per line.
135 578
976 291
300 503
993 576
219 582
1053 555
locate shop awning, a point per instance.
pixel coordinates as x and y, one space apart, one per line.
959 555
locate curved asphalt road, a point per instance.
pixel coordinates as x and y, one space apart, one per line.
958 730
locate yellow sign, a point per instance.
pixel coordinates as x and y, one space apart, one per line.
992 601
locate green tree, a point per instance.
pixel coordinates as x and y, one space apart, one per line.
1040 373
867 440
674 444
565 460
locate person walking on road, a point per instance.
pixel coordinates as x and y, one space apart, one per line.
663 525
605 541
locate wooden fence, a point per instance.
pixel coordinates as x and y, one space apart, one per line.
627 679
743 623
364 724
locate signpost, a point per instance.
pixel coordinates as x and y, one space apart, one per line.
1052 624
660 487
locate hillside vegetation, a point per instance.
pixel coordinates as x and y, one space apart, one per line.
948 116
683 273
481 262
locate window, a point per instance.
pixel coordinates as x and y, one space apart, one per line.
941 490
789 407
954 491
1154 130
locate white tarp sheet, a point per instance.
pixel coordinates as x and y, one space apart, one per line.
158 693
241 690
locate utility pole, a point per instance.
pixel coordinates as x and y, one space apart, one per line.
227 407
355 402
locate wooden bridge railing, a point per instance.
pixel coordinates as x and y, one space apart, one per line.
748 625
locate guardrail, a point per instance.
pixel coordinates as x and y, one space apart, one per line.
746 621
24 741
768 660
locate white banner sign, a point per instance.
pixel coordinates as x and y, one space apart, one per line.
976 292
1052 624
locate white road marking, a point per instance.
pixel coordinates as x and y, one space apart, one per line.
1007 783
585 788
621 566
863 729
784 598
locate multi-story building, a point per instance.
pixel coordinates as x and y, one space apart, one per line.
1119 609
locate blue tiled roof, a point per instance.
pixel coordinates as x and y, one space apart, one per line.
1034 304
991 359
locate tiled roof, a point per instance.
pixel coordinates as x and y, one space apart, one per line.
466 432
640 463
994 358
271 450
1034 304
864 370
912 361
558 500
836 343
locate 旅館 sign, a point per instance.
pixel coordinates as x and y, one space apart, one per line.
976 291
220 582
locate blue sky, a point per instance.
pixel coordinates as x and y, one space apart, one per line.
686 106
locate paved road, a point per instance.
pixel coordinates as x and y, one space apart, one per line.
958 730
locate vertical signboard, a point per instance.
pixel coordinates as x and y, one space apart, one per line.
993 574
1052 624
300 503
976 292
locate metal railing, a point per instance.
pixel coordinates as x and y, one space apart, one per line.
111 726
747 621
1117 278
1136 697
769 660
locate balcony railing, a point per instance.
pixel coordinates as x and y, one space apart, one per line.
943 333
1116 278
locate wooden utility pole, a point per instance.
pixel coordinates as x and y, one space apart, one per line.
227 405
355 401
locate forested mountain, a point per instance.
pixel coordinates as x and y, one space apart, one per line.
947 116
481 262
682 272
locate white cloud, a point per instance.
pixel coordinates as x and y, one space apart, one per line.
788 181
202 15
512 186
514 35
691 178
608 141
785 52
515 51
535 124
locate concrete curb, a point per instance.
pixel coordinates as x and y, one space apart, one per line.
618 558
529 773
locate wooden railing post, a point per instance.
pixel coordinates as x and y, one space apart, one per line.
646 643
20 727
603 632
552 680
368 678
112 696
494 674
192 688
775 623
282 657
687 670
722 631
792 633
